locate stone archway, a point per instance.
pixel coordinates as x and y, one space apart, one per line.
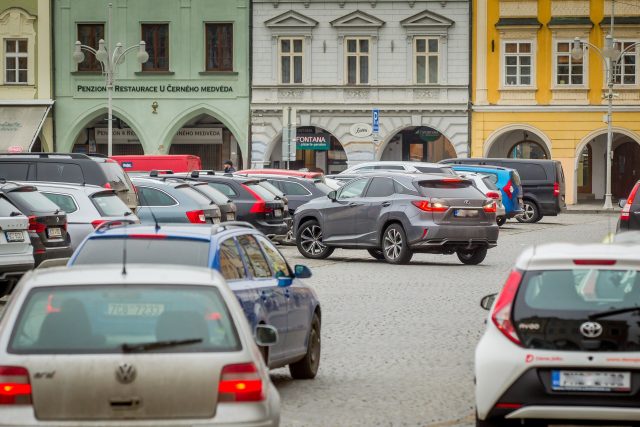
420 144
93 137
518 141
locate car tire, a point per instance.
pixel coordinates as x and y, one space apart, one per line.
501 220
309 241
376 253
472 256
395 247
307 367
531 213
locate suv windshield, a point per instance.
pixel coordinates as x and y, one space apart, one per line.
101 318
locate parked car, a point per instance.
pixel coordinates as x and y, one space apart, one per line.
342 178
16 252
507 180
69 167
282 172
170 201
560 345
268 289
398 166
228 209
86 206
394 215
298 190
47 222
630 215
542 184
158 346
254 203
487 185
147 163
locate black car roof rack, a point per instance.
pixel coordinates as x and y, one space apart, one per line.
225 225
47 155
196 173
107 225
156 172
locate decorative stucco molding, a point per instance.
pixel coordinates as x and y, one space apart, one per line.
570 8
518 8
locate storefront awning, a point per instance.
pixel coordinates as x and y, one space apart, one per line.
20 123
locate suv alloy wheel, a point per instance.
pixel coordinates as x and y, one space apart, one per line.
395 246
531 213
309 241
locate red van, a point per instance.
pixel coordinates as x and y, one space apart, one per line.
174 162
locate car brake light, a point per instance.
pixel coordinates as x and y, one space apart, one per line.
501 316
594 261
15 388
508 189
260 206
36 226
493 195
240 383
429 206
626 210
556 189
97 223
107 185
196 217
491 207
509 405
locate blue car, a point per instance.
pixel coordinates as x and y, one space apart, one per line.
508 181
269 291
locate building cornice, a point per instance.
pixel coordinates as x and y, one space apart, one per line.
551 108
399 109
341 87
27 102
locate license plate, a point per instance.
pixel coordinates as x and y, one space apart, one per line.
465 213
139 310
612 381
277 213
14 236
54 232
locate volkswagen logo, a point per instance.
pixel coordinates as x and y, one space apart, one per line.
591 329
466 202
125 373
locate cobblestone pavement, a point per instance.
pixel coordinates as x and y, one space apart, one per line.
398 341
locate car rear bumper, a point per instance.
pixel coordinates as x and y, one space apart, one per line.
577 413
451 237
274 231
43 253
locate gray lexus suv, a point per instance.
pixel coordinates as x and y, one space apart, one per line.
394 215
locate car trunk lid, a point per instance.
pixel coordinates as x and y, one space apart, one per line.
456 201
14 238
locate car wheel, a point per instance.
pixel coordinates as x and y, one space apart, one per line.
472 256
531 213
395 247
307 367
309 241
501 220
376 253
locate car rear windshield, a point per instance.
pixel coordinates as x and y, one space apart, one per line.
323 187
272 188
108 204
431 169
193 194
449 189
33 201
515 177
212 193
6 208
490 181
102 318
116 176
262 192
143 250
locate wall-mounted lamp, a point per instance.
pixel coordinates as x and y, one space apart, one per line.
324 46
392 46
154 107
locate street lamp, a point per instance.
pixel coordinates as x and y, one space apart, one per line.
109 61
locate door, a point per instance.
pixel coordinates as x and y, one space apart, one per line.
625 169
585 171
377 200
339 218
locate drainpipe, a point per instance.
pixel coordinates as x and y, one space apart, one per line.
247 161
469 103
52 74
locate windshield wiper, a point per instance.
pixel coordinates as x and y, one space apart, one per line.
613 312
127 213
130 348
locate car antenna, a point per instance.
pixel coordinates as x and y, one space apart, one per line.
124 252
155 220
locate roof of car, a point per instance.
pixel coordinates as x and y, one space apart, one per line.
558 256
185 231
87 188
279 176
471 160
487 167
281 172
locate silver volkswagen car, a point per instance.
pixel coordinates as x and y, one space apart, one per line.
131 346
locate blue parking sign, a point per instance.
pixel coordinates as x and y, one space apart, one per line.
376 120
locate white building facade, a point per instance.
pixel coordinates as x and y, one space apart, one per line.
334 62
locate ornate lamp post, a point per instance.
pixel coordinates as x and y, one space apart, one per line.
110 60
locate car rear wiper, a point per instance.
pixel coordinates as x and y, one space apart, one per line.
127 213
613 312
131 348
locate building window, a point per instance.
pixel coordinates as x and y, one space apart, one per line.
15 61
518 60
156 36
219 47
426 52
357 61
291 57
626 69
90 35
569 71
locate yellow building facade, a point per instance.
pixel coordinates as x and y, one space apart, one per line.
533 99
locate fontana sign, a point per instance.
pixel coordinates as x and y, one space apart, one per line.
313 141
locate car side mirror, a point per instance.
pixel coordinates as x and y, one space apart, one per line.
302 271
266 335
622 202
487 301
283 280
333 195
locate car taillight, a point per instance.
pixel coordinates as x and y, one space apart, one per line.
15 388
107 185
491 207
556 189
501 316
260 206
626 210
594 261
36 226
429 206
493 195
240 383
196 217
508 189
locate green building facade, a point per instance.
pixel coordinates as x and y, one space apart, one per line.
191 97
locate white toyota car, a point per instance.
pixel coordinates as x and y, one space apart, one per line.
562 344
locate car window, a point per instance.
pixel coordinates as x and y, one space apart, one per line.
402 189
224 189
231 265
353 189
380 187
389 167
14 171
64 201
116 176
6 208
212 193
449 189
151 197
258 265
194 195
528 171
60 172
272 188
490 181
101 318
34 201
144 251
293 189
363 168
277 261
261 191
108 204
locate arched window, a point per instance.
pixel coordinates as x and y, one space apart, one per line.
527 150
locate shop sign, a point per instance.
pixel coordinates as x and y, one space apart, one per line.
361 130
184 136
427 134
313 141
136 89
19 126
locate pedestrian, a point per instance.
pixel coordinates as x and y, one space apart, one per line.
228 167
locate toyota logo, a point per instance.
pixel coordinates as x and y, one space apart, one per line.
591 329
125 373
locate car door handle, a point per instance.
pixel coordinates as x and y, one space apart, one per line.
386 204
353 204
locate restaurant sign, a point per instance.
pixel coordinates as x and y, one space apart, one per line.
184 136
313 141
137 89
